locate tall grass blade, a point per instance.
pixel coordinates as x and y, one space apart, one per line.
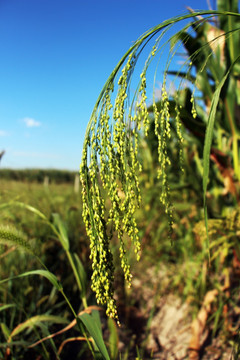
6 306
80 274
32 209
113 339
208 142
36 321
47 274
93 326
65 329
4 345
60 226
5 330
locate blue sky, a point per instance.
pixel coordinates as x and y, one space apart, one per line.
55 58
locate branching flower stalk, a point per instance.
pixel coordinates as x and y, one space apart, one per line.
110 162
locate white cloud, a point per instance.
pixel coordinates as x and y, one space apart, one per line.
3 133
31 122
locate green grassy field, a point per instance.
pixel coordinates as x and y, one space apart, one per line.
31 296
31 308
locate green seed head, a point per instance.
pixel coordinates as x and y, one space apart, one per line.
111 165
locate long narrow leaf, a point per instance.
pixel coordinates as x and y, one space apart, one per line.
6 306
63 236
5 331
93 326
36 321
208 140
113 339
47 274
39 214
80 274
65 329
32 209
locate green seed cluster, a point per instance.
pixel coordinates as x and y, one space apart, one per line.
11 236
194 111
110 165
141 107
162 131
94 218
179 132
141 117
110 157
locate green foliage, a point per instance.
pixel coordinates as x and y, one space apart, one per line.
134 150
204 102
38 175
113 339
93 325
41 302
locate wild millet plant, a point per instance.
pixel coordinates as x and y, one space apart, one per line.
110 160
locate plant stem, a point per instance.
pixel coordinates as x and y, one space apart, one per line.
236 157
84 299
235 138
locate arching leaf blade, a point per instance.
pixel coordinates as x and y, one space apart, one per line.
62 230
6 306
47 274
36 321
93 326
208 140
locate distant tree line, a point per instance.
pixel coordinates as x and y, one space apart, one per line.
38 175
